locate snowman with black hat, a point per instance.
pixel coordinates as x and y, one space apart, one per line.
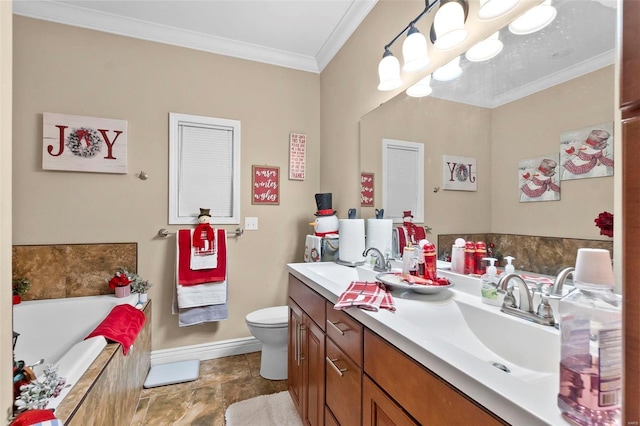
326 222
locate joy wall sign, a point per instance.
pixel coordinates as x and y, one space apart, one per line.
84 144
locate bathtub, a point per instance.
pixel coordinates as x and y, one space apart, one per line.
54 329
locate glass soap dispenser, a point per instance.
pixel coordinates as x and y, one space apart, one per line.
591 344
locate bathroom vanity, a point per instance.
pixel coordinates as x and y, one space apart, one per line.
425 363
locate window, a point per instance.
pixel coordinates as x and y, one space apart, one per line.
204 169
403 179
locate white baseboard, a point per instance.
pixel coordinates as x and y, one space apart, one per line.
206 350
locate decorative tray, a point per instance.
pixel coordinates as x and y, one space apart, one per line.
397 280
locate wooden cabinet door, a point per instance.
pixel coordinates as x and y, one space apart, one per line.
313 371
294 363
344 386
380 410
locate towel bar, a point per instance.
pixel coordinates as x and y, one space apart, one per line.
163 232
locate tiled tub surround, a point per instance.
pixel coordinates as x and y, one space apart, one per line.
71 270
542 255
55 330
108 392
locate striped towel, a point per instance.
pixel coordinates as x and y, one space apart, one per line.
365 295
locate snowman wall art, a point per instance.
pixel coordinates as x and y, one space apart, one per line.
587 152
538 180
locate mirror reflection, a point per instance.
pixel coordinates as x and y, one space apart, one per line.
501 112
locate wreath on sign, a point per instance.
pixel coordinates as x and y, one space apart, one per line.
462 173
84 142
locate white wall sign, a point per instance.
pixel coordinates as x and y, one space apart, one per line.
459 173
84 144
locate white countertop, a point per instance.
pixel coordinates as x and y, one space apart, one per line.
419 328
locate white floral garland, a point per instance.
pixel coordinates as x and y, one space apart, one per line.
94 142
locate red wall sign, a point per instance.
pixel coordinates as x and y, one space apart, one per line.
265 185
366 189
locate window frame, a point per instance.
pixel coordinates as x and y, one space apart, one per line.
176 120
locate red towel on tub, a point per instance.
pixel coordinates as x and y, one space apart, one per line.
188 276
122 325
365 295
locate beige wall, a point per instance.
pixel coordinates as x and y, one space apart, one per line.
531 127
6 355
69 70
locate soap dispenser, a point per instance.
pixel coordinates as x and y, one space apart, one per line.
489 288
509 268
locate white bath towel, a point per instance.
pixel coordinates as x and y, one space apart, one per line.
313 248
202 294
206 258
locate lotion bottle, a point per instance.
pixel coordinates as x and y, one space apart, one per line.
489 289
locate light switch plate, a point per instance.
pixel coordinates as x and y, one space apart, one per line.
251 223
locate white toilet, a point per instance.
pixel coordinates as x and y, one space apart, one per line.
270 325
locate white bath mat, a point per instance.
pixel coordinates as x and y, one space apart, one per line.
265 410
172 373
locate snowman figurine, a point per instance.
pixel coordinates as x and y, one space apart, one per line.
203 237
326 222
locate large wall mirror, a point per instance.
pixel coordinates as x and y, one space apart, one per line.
511 108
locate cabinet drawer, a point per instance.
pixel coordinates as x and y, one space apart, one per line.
343 386
378 409
310 301
345 332
425 396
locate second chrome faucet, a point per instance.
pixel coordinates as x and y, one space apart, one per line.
524 307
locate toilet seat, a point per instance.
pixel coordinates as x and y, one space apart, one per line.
277 316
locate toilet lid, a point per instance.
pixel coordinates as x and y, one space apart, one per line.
270 316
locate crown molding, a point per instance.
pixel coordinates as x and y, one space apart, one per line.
64 13
358 10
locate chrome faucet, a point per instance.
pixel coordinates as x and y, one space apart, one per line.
557 289
382 264
524 307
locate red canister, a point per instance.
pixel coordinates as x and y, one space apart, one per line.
469 257
481 253
430 261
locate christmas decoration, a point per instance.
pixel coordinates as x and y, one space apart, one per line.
604 221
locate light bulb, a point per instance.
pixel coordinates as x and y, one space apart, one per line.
448 71
421 88
486 49
534 19
414 51
449 26
389 72
491 9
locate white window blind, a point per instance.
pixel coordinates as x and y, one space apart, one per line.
403 179
204 169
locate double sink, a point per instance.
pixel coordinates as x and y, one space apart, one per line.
499 360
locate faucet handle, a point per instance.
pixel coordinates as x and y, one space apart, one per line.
544 309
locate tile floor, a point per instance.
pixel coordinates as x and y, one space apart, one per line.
221 382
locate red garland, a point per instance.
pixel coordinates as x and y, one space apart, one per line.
604 221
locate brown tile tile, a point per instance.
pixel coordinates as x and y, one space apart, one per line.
212 372
44 266
242 389
141 412
168 409
207 407
254 363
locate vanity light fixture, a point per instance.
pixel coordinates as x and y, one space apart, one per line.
491 9
534 19
486 49
449 71
421 88
414 51
448 25
389 72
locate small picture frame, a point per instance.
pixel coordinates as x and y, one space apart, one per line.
297 156
265 185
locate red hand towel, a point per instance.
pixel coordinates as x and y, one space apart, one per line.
187 276
122 325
